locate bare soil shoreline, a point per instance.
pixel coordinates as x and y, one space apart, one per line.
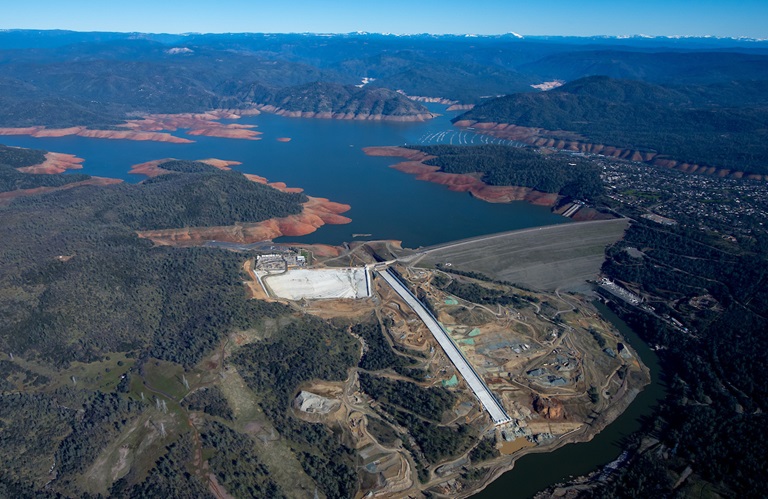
568 141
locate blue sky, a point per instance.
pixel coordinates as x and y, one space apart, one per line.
531 17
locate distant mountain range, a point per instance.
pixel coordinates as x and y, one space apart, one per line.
720 125
65 78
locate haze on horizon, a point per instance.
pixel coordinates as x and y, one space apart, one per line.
546 17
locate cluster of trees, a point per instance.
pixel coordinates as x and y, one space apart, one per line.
13 375
104 417
429 403
307 348
420 410
733 276
321 97
463 81
97 83
236 465
713 125
195 200
17 157
77 282
476 293
62 429
12 179
522 166
64 79
184 166
381 431
381 355
436 442
485 450
598 338
28 426
209 400
169 477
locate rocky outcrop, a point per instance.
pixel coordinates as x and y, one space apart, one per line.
316 213
55 162
548 85
435 100
461 182
200 124
221 164
227 132
460 107
569 141
312 403
453 105
280 186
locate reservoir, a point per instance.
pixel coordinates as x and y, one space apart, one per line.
325 158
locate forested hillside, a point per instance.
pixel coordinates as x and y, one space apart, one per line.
60 79
716 398
663 65
527 167
334 98
91 317
707 125
73 267
12 179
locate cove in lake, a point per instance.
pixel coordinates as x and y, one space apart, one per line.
325 158
535 472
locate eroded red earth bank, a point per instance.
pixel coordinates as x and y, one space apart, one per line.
156 128
414 165
568 141
316 212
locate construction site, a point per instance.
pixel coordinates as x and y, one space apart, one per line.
286 276
523 369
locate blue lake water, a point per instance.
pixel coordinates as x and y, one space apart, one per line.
325 158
